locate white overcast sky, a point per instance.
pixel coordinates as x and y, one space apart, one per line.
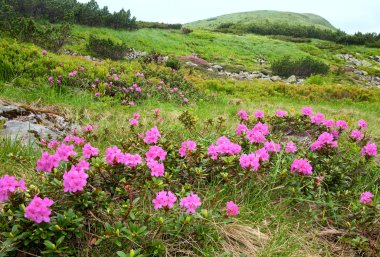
348 15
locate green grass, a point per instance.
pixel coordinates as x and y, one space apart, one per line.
303 19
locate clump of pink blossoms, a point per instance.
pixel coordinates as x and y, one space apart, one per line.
240 129
272 147
89 151
357 135
9 184
155 152
281 113
152 135
325 140
113 155
164 199
259 114
38 209
243 115
341 124
369 150
131 160
317 119
232 209
362 124
157 169
134 122
187 147
48 162
257 133
328 123
366 198
223 147
53 144
302 166
74 180
191 203
250 161
307 111
64 152
290 147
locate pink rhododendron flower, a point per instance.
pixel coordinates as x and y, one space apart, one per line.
88 128
259 114
362 124
272 147
38 209
357 135
53 144
366 198
290 147
131 160
157 169
131 103
74 180
213 151
185 100
75 139
134 122
281 113
44 52
48 162
307 111
187 147
157 112
262 154
240 129
9 184
250 161
301 166
226 147
191 203
89 151
50 79
64 152
97 94
328 123
113 155
232 208
243 115
369 150
82 165
258 133
164 199
318 118
136 115
155 152
152 135
325 140
341 124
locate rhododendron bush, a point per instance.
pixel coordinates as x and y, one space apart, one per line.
153 188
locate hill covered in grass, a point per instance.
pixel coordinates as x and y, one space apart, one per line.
265 16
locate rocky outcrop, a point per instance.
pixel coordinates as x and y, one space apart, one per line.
353 60
28 125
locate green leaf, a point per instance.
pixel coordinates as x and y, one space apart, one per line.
121 254
49 245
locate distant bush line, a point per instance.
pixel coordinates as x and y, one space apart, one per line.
299 31
303 67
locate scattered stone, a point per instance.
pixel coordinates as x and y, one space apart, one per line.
292 79
191 64
217 67
275 78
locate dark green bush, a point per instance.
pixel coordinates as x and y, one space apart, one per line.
186 31
173 63
106 48
303 67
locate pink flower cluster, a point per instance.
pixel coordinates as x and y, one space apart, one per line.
362 124
341 124
272 147
157 169
164 199
369 150
48 162
186 147
75 139
257 133
155 152
366 198
9 184
290 147
75 179
64 152
223 147
89 151
357 135
240 129
302 166
250 161
325 140
232 208
243 115
307 111
152 135
317 119
38 209
135 120
191 203
115 156
259 114
281 113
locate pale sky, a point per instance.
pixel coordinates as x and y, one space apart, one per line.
349 15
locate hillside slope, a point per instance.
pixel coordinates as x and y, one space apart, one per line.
304 19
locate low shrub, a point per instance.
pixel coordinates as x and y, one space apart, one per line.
156 186
106 48
173 63
186 31
303 67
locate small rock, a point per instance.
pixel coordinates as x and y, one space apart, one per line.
292 79
191 64
275 78
217 67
